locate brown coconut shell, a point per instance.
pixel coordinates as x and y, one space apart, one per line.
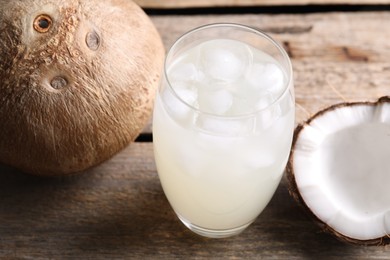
77 81
293 187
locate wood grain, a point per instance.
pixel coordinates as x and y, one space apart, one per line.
336 56
118 210
161 4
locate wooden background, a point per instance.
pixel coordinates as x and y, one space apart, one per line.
118 210
225 3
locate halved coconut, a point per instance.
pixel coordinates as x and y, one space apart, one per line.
339 169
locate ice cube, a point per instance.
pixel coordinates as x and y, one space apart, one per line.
224 126
215 101
286 102
241 105
176 106
266 76
265 100
255 75
266 118
186 93
185 72
215 125
225 60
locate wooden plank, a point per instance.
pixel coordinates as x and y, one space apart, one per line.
158 4
336 56
118 211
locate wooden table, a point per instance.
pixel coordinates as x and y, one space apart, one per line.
118 210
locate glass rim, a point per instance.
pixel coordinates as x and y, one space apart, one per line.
249 29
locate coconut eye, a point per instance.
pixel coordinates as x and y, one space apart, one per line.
58 82
42 23
92 39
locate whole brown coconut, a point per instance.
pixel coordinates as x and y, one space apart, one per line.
77 81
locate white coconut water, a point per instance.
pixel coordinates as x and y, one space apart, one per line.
222 133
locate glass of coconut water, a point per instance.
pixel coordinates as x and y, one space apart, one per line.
222 126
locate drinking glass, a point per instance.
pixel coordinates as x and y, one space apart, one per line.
222 126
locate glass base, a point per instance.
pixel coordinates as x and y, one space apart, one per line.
213 233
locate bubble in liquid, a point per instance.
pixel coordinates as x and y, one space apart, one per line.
225 60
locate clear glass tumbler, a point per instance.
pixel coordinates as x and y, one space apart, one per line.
222 126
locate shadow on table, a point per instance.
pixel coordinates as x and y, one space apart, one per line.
115 213
293 231
102 213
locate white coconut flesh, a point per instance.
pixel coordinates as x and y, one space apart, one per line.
341 165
